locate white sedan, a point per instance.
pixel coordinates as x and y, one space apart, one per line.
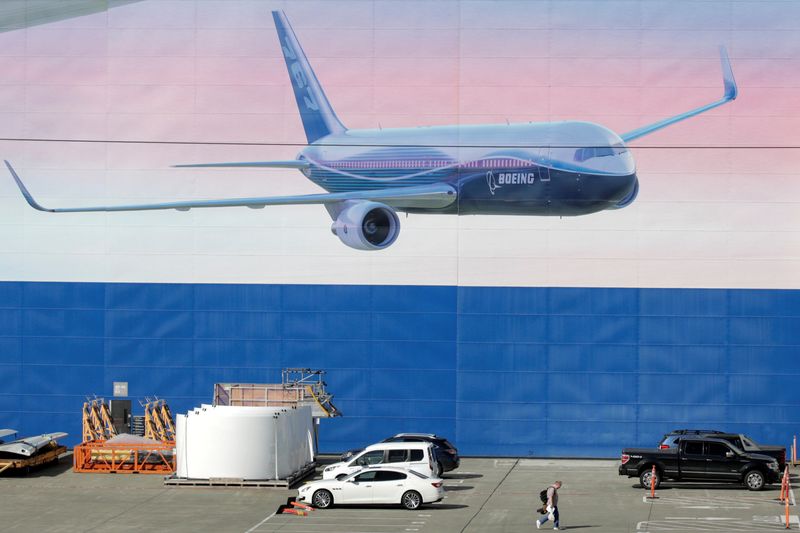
377 484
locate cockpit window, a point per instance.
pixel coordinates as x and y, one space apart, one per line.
590 152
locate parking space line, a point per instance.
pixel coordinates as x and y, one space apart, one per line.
356 517
348 522
259 524
297 527
711 523
345 521
326 531
711 502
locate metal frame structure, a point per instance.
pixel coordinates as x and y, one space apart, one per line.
97 422
103 458
158 421
299 386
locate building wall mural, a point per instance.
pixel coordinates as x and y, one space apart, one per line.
512 334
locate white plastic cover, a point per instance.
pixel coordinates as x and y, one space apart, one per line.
243 442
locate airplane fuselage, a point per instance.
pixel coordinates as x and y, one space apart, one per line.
554 168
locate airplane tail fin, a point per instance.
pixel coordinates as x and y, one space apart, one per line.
316 112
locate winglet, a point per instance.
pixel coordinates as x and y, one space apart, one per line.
24 190
731 89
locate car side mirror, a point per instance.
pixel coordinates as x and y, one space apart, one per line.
729 454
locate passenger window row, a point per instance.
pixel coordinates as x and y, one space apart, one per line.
715 449
380 475
392 456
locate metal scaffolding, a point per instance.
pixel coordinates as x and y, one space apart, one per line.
298 387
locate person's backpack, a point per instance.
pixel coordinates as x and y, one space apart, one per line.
543 496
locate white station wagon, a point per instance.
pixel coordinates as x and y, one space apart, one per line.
417 456
376 484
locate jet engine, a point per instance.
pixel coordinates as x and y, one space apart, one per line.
628 200
367 226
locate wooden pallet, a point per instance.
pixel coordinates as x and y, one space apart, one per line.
301 474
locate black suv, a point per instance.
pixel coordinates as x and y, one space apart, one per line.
446 454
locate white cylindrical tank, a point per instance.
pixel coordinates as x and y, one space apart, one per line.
243 442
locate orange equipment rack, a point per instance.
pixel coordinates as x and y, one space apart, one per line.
103 458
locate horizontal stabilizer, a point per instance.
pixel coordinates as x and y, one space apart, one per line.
7 432
731 91
294 163
433 196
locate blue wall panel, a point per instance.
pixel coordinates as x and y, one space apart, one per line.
502 371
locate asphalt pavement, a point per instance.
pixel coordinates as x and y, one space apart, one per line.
485 495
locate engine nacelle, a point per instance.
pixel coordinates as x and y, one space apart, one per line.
628 200
367 226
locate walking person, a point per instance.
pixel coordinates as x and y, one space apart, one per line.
551 506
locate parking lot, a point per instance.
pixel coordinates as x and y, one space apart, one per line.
484 495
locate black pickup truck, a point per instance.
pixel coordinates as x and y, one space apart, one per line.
743 442
700 459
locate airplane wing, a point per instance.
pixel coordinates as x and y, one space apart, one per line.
54 436
435 195
292 163
17 15
30 445
7 432
730 92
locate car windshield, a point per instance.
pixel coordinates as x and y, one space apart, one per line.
749 442
368 458
735 448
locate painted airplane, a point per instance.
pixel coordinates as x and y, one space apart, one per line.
565 168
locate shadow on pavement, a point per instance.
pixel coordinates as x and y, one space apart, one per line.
461 476
45 470
715 486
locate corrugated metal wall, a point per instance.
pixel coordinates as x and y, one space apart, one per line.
502 371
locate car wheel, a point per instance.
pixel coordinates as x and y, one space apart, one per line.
754 480
439 469
411 500
644 478
322 499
